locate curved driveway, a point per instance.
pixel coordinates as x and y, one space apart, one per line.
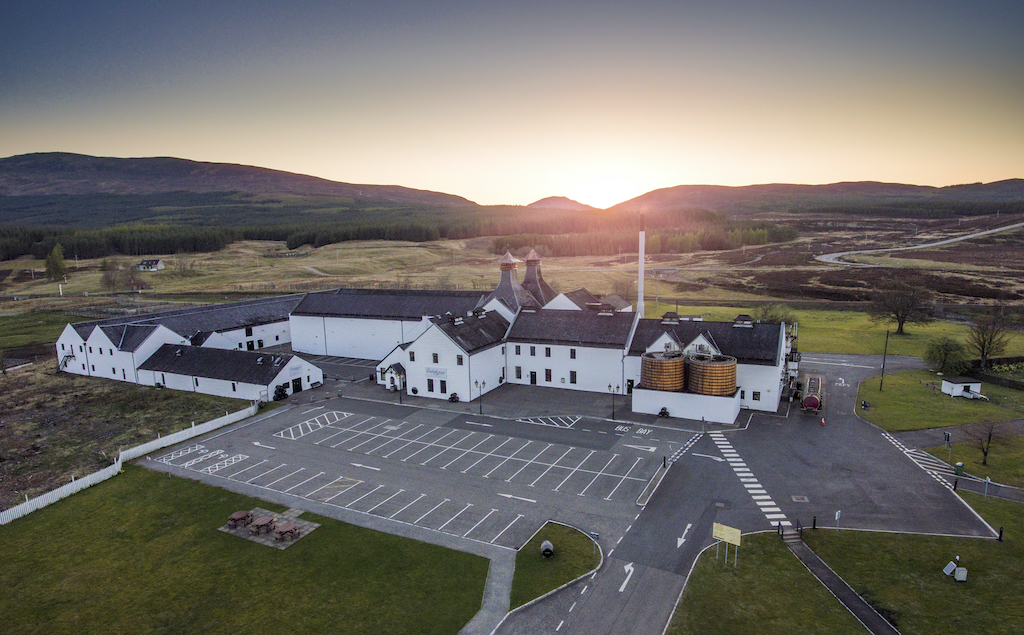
836 258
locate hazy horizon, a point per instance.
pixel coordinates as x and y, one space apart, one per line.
509 104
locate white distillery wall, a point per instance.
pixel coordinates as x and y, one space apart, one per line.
269 334
485 366
297 368
352 337
70 342
687 405
307 334
595 368
766 380
108 362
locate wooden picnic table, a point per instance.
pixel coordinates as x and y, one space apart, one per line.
263 524
243 518
287 531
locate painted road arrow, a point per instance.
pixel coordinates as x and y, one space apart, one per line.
369 467
680 540
269 447
645 448
629 574
708 456
518 498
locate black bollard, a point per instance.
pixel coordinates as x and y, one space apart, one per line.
814 523
1000 534
954 484
664 461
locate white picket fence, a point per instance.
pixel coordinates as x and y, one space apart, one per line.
78 485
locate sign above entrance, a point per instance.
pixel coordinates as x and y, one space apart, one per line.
436 373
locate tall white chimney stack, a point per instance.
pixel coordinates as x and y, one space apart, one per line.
640 280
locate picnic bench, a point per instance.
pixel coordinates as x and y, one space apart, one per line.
287 531
264 524
239 519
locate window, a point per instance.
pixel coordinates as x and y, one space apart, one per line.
113 371
444 387
572 353
90 349
757 395
99 350
248 331
111 351
458 360
502 350
83 366
93 367
547 374
381 374
434 355
430 385
547 351
61 347
519 372
412 356
163 379
533 351
233 388
80 350
124 375
277 338
517 349
196 379
743 394
259 343
572 377
239 346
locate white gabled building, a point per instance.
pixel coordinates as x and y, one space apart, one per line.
576 350
228 373
370 323
461 355
112 351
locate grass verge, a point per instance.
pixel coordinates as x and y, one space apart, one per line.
770 593
901 575
1005 460
907 403
33 327
536 575
141 553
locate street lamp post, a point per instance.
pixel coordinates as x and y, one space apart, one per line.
613 391
480 385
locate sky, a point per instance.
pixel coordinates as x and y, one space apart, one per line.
510 102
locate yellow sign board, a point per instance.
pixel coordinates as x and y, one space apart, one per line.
725 533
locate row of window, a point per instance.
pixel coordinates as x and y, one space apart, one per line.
443 386
756 395
547 351
81 349
547 375
435 357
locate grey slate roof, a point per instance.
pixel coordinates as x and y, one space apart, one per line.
533 280
512 294
210 318
582 328
475 332
582 298
757 344
128 337
615 301
216 363
387 304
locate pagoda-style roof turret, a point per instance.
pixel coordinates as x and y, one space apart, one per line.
533 281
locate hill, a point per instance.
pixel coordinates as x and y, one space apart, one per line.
853 196
559 202
61 173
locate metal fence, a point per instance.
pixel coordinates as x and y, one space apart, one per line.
78 485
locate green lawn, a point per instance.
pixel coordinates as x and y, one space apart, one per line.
849 332
1005 460
536 575
769 593
906 403
901 575
141 553
33 327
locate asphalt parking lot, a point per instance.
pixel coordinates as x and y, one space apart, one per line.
447 474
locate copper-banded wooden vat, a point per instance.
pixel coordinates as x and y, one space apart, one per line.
663 371
713 375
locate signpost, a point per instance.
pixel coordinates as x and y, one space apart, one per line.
728 535
949 446
839 513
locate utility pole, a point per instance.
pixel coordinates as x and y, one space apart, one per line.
885 351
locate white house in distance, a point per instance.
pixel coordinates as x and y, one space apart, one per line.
151 265
370 323
228 373
461 355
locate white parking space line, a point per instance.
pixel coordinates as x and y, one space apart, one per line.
411 442
421 496
301 469
518 516
445 448
363 496
398 438
479 522
340 478
491 453
372 437
509 479
417 521
304 482
445 466
370 511
167 458
551 466
247 469
361 432
441 528
623 479
427 445
267 472
615 456
327 500
506 459
575 469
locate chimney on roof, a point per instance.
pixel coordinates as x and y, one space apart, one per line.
533 280
640 274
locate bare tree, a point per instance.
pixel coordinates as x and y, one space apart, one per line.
983 435
988 337
901 301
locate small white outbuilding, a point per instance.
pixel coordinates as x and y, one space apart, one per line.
962 387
